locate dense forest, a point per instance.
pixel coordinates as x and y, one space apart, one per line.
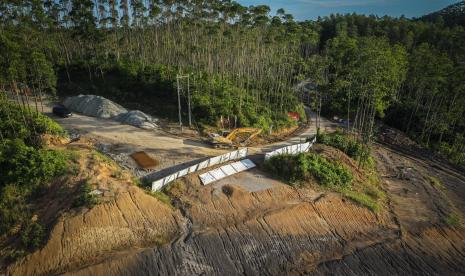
244 62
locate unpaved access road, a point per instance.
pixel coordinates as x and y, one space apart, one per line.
173 152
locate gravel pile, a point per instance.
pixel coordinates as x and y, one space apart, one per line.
97 106
137 118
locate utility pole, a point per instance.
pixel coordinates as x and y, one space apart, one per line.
189 101
178 79
179 102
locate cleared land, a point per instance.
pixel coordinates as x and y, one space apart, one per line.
227 229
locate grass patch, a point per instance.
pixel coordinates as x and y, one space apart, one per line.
160 195
100 157
364 199
436 182
453 219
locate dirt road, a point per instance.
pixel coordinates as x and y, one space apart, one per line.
172 152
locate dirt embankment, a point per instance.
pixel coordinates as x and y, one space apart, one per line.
229 231
125 219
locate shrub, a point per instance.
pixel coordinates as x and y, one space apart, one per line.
32 235
18 122
345 143
28 167
13 208
85 198
295 168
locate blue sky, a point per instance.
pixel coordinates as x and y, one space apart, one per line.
311 9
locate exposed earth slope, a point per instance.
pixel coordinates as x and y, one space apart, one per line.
227 230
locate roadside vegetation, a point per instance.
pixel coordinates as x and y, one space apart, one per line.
332 174
304 166
347 144
27 170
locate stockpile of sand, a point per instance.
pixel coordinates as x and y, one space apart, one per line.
100 107
95 106
137 118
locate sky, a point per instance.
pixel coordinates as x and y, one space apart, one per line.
311 9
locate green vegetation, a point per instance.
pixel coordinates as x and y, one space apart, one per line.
363 199
299 169
27 170
296 168
455 151
349 145
163 197
453 219
436 182
25 124
101 158
243 63
85 198
33 235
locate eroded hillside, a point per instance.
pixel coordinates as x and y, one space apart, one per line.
227 230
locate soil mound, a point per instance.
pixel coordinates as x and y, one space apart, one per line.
95 106
138 119
100 107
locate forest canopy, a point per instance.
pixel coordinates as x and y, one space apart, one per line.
244 62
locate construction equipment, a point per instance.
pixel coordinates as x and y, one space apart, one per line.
234 138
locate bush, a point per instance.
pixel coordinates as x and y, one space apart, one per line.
28 167
17 122
32 235
347 144
25 172
25 169
13 208
454 152
85 198
296 168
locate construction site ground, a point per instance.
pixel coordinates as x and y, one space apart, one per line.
230 229
169 149
251 224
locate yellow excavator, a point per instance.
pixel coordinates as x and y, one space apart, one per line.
234 138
